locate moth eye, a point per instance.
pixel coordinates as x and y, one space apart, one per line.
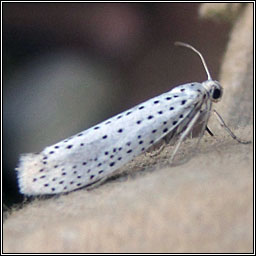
216 94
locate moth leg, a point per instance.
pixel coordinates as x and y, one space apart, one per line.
184 134
209 131
161 144
206 115
96 183
222 123
158 151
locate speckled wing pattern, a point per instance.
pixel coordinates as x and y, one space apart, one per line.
97 152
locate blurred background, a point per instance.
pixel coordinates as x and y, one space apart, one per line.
68 66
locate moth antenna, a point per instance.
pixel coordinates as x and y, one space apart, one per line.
200 55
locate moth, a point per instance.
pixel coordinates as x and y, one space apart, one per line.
94 154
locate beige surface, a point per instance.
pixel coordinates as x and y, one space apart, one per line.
204 205
236 74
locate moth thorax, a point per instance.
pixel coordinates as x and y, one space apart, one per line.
214 89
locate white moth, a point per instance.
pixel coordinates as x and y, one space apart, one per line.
94 154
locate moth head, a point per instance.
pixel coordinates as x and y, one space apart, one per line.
212 87
215 90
